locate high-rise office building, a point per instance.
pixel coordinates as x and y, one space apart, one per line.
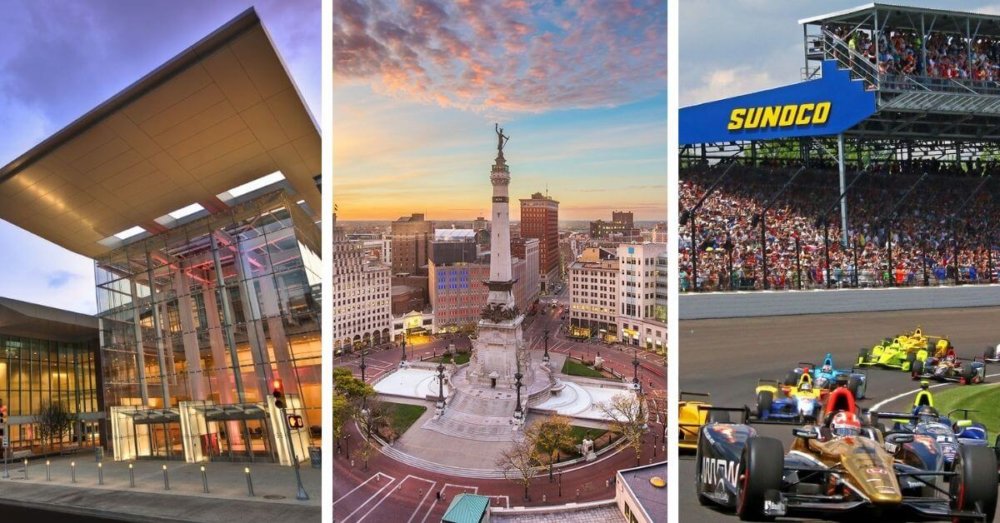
411 240
540 220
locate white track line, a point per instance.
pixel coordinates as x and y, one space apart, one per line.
914 391
377 474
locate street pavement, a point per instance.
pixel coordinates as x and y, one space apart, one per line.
390 490
227 500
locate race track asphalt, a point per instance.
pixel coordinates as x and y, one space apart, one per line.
725 357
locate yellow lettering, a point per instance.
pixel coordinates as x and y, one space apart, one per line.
736 119
822 113
771 115
753 118
805 114
787 116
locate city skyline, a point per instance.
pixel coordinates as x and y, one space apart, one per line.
97 49
581 91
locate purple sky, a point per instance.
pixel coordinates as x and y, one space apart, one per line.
60 59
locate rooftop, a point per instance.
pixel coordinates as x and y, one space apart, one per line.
652 499
220 115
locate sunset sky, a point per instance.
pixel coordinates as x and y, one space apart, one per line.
579 86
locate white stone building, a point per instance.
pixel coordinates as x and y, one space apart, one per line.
593 294
362 296
642 315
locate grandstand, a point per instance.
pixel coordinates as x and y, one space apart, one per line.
895 127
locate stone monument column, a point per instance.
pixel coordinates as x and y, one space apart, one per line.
498 350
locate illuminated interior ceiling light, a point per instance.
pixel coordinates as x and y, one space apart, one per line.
251 186
186 211
128 233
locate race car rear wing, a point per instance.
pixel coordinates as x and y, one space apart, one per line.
744 412
684 395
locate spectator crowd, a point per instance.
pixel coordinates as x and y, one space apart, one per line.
922 231
900 52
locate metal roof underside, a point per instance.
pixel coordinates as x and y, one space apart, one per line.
220 114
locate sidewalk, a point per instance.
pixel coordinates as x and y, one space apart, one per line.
227 500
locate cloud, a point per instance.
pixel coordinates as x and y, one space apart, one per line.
59 279
501 57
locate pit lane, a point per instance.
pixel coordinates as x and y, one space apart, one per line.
725 357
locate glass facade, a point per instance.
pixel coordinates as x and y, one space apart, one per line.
35 372
213 311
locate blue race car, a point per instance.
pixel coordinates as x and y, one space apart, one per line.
936 438
828 377
778 404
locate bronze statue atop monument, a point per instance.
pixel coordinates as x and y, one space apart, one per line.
501 138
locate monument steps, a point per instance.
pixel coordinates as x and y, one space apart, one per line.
416 462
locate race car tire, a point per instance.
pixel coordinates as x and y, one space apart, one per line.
791 378
856 386
862 356
764 400
968 375
975 487
908 362
917 370
989 353
699 461
760 471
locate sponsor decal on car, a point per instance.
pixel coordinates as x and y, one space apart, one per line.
715 469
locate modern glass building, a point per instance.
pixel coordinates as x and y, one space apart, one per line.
49 356
197 322
194 190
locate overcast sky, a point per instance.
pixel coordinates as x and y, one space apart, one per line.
579 86
731 47
59 59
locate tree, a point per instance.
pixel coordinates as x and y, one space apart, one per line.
351 387
365 450
53 421
549 436
627 419
518 462
373 416
341 413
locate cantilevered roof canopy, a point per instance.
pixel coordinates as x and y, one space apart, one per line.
901 17
30 320
220 114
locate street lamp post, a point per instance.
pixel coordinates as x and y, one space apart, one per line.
545 358
440 369
404 349
518 414
635 368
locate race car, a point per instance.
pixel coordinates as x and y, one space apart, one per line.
834 469
903 350
992 354
691 417
779 404
827 377
950 368
936 439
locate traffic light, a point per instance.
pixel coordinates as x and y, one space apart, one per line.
278 391
3 424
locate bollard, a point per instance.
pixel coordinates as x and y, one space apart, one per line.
25 468
100 473
204 480
72 470
543 498
246 471
166 479
578 494
607 483
131 476
48 475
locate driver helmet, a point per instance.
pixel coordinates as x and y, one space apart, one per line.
924 384
926 413
805 386
845 424
827 368
950 356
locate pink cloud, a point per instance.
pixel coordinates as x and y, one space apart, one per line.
504 55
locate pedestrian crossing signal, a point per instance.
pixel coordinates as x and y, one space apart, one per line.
295 421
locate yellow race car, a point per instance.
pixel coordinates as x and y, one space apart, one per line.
692 413
903 350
